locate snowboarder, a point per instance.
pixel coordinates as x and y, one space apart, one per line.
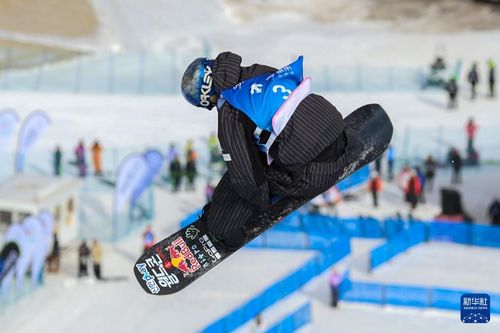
277 138
473 78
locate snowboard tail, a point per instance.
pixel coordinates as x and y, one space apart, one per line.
178 260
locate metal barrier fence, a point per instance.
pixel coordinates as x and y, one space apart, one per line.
282 288
160 73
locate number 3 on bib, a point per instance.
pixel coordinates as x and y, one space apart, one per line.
283 89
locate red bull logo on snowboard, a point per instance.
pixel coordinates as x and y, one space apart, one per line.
181 257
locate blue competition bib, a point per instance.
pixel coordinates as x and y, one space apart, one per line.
261 97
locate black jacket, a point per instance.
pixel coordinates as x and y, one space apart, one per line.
312 133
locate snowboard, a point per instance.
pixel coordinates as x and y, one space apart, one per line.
178 260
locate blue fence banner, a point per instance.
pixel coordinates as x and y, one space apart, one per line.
484 235
412 236
282 288
450 232
294 321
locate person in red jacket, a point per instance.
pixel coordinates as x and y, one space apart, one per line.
375 186
471 129
412 190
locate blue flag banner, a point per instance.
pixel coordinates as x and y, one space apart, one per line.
16 233
8 123
154 160
129 176
35 234
8 259
33 127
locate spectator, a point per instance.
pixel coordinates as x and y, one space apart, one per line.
213 148
412 190
172 153
97 258
209 192
148 238
391 155
335 279
494 212
438 64
456 163
471 129
191 169
378 165
430 172
403 177
81 164
83 258
491 76
473 79
175 174
97 158
53 258
57 161
188 148
421 177
452 89
375 186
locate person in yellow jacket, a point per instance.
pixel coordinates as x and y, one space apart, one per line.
96 158
96 253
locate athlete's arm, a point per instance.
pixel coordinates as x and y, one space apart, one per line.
244 162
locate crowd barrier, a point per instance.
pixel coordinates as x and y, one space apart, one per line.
282 288
406 295
294 321
412 236
315 231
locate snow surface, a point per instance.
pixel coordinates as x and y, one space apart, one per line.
422 126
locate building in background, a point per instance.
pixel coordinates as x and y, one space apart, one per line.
25 195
